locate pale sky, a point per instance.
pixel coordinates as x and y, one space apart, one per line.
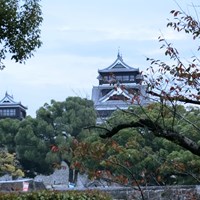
81 36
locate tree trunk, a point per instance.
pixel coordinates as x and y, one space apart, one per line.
73 175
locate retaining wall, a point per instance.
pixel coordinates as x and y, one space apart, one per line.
156 193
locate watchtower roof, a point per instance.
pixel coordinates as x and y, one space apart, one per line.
118 66
8 100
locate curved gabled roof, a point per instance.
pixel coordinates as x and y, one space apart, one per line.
9 101
118 66
116 91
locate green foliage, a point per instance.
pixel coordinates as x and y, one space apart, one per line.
19 29
48 195
135 156
9 164
8 131
69 116
52 137
59 125
32 147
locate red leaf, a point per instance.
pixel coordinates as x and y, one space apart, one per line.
54 148
172 88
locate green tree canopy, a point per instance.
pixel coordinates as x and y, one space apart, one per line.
8 131
135 156
19 29
68 119
32 145
53 135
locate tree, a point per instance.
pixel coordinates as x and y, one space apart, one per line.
9 164
171 85
41 143
32 144
19 29
67 119
136 157
8 130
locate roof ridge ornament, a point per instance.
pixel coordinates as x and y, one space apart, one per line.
8 95
118 54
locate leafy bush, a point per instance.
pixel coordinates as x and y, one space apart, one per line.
57 195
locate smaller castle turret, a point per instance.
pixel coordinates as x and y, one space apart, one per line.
9 108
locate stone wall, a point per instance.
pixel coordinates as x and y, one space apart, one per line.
156 193
21 185
60 178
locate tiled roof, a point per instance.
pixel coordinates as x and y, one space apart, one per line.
8 101
118 66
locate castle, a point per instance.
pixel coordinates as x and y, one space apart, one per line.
119 87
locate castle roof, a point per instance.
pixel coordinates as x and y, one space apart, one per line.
118 66
8 101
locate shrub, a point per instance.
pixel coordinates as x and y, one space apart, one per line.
57 195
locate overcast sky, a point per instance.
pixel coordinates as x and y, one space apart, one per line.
81 36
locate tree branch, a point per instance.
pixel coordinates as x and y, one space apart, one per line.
99 127
181 99
158 131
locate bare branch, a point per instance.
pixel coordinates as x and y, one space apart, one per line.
176 98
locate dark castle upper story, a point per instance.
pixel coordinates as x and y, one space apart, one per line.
119 72
9 108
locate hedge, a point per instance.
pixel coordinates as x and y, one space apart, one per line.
57 195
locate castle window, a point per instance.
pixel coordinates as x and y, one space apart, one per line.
104 113
119 78
105 78
132 77
7 112
125 78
